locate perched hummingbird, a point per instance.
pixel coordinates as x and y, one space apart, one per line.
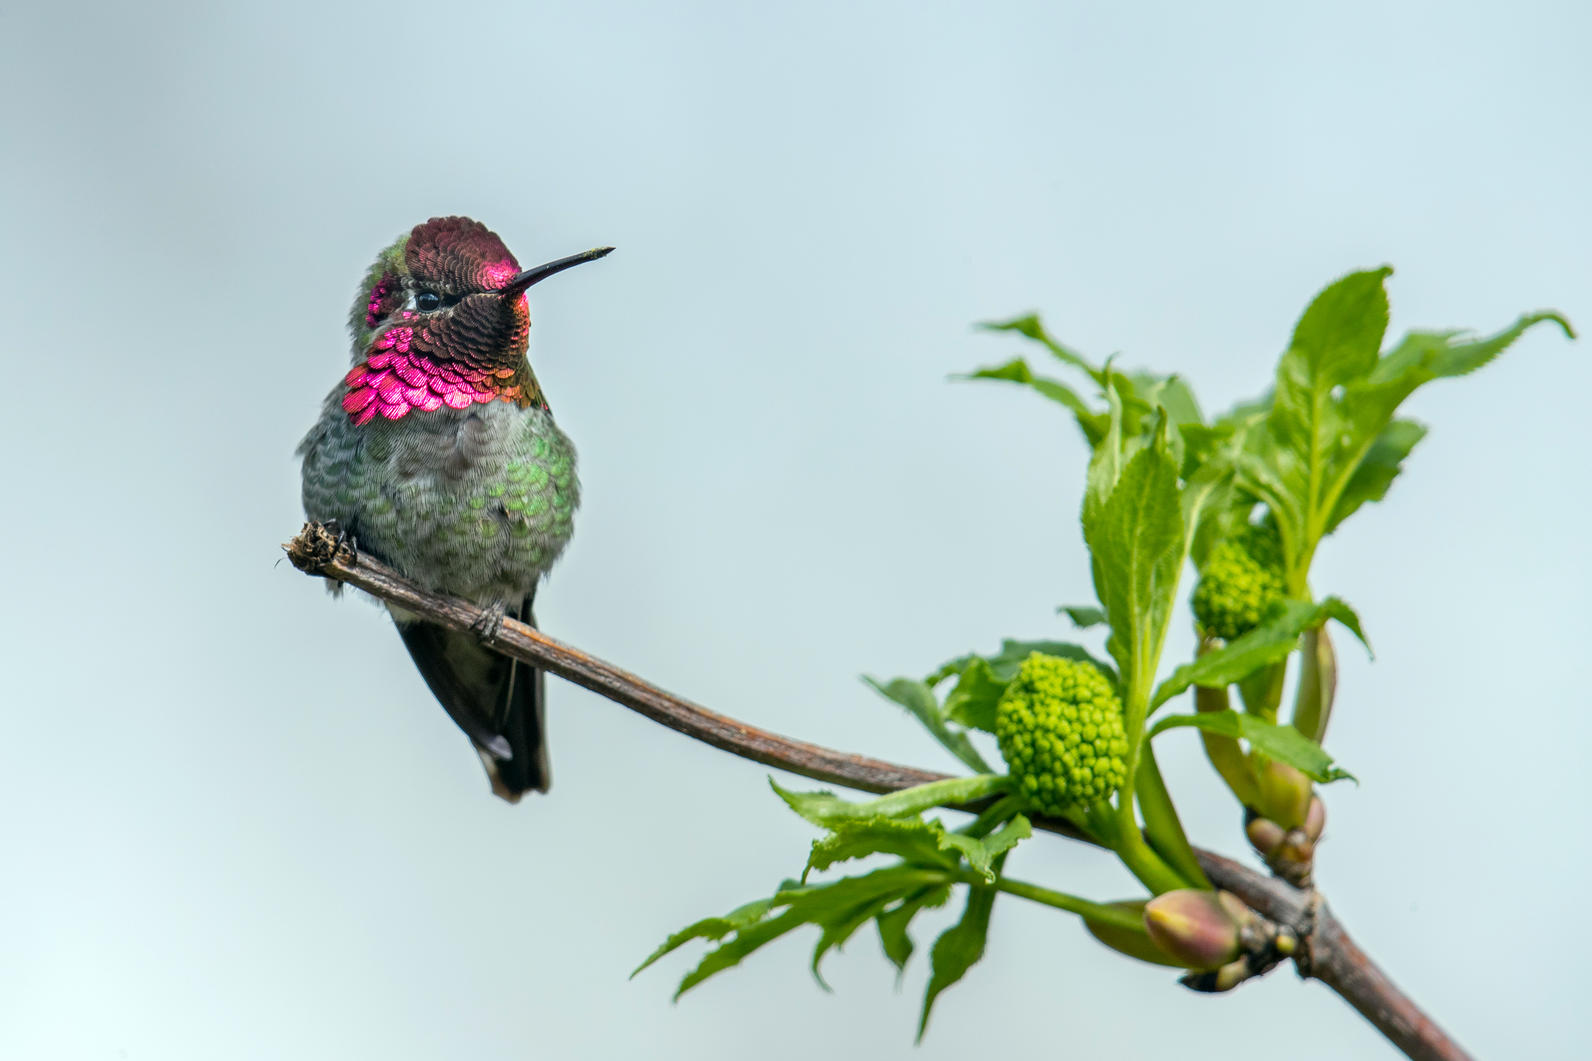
438 455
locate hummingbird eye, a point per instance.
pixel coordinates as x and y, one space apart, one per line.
426 301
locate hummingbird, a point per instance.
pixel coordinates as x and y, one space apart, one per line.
438 455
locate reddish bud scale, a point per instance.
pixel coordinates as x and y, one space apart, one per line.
1198 929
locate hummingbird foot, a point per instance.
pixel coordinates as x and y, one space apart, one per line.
345 537
490 622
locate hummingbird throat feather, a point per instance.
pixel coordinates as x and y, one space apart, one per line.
465 359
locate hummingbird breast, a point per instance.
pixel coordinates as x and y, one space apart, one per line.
477 502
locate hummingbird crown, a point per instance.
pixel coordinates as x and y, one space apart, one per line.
439 322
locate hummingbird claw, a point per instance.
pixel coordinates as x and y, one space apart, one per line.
490 621
344 537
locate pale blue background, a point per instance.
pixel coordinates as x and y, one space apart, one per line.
234 824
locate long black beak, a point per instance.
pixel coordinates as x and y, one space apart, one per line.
515 287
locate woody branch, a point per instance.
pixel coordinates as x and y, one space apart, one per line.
1327 953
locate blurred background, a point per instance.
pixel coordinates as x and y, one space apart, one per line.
235 823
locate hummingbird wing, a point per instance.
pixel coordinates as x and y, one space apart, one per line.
496 701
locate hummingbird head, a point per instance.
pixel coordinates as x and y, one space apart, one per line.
442 319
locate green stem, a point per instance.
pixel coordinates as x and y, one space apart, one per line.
1224 752
1262 691
986 822
1145 864
1161 822
1101 912
1318 684
1137 855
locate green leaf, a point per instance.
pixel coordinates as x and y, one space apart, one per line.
1135 538
1172 394
1329 442
972 702
1423 356
729 953
1340 335
981 854
982 680
1030 327
1377 469
1335 343
1276 635
958 949
1365 410
832 906
1090 421
1083 616
1281 743
1017 371
1105 465
1004 664
997 844
919 842
838 930
827 809
918 698
711 928
894 922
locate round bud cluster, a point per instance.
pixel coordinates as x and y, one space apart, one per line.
1059 725
1241 578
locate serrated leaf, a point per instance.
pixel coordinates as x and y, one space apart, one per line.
894 922
1281 743
1005 663
1377 469
957 949
1339 336
731 951
917 842
999 842
912 839
1328 445
839 930
1090 421
1334 344
1031 328
972 702
827 809
918 698
982 680
1423 356
1109 456
831 906
1366 407
1171 393
1083 616
711 928
1136 538
1272 639
1017 371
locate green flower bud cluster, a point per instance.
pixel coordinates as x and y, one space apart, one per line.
1241 578
1059 725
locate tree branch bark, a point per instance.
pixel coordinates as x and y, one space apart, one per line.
1326 952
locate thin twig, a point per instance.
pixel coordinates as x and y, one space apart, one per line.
1326 952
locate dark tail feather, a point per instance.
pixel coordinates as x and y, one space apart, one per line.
495 700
